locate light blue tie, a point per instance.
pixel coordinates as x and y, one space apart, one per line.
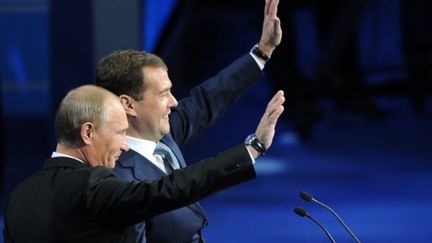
167 155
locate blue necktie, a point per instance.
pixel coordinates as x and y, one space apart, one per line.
170 160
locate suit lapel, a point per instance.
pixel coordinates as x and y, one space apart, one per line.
169 141
143 169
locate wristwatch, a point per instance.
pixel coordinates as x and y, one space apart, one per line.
253 141
260 54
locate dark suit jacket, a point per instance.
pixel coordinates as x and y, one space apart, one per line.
191 117
70 202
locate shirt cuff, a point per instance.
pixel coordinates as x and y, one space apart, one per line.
250 155
257 60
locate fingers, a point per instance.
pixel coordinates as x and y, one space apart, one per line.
275 98
271 34
274 8
275 114
275 107
271 7
266 7
266 128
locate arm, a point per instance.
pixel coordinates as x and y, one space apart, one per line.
120 204
211 99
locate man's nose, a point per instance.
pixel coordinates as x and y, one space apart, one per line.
174 101
124 147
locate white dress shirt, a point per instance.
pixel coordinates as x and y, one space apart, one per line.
145 148
257 60
57 154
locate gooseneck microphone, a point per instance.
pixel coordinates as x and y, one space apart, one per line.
302 213
307 197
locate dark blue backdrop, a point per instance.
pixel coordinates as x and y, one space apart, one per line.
375 171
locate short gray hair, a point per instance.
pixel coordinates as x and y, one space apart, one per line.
80 105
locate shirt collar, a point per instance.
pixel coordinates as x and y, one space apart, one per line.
57 154
141 146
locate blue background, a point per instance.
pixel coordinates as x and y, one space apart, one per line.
375 172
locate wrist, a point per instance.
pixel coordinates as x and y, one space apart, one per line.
252 152
253 142
266 49
258 52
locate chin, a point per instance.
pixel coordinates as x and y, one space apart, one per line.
110 165
165 131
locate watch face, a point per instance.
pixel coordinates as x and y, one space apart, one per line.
255 143
249 139
260 54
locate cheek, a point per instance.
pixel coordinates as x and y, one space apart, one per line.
117 143
163 104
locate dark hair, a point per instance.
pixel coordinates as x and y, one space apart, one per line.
80 105
121 72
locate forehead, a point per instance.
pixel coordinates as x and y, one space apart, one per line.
116 114
156 76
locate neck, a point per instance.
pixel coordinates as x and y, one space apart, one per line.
141 135
74 152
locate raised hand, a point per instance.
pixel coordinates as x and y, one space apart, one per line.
271 35
266 128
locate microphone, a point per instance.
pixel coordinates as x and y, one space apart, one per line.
307 197
302 213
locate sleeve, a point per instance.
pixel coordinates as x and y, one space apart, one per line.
211 99
120 204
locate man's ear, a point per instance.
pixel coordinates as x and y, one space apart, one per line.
87 132
128 105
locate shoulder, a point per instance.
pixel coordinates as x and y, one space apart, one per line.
99 173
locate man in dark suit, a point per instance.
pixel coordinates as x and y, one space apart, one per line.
77 198
141 81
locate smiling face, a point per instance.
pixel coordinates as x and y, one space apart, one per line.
152 112
109 140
